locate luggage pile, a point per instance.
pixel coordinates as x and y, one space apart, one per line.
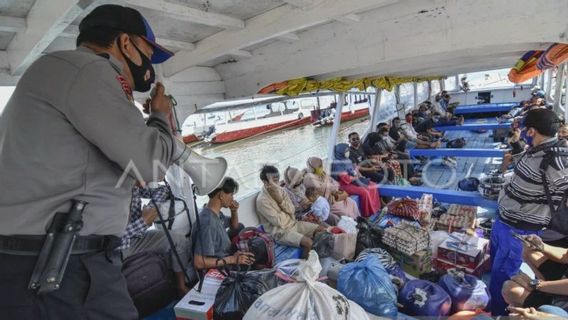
405 259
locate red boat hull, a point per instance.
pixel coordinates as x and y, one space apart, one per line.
345 116
190 138
249 132
348 116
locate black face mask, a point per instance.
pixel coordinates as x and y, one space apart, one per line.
138 72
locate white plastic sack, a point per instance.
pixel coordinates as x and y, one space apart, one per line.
348 224
305 299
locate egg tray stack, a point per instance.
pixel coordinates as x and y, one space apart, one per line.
412 209
457 217
406 238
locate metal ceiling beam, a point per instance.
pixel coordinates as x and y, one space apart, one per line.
350 18
45 21
72 31
288 37
270 25
12 24
184 13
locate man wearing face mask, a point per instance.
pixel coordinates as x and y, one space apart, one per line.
523 206
71 132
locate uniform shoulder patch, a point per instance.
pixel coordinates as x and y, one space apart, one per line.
125 86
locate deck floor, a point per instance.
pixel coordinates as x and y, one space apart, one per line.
436 175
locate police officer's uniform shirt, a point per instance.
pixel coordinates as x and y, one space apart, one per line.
69 131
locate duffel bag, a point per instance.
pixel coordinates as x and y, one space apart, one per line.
425 298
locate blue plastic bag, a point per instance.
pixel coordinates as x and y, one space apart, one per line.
368 284
467 292
425 298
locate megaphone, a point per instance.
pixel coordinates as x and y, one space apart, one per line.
207 174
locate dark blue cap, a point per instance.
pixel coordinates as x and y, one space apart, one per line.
127 20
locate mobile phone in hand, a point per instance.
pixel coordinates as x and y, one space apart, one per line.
523 238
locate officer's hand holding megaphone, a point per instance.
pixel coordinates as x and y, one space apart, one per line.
158 101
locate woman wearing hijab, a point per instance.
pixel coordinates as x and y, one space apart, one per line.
294 186
349 180
316 177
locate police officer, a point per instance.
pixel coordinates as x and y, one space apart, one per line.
71 132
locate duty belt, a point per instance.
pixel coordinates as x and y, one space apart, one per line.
26 245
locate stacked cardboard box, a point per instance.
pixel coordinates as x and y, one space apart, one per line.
463 250
444 265
416 264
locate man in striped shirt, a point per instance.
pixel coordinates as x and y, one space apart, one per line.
523 206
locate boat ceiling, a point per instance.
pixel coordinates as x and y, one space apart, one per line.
227 49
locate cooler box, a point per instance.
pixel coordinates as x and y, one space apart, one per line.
199 305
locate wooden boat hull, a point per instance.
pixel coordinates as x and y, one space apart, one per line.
235 135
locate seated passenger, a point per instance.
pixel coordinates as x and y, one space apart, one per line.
396 133
212 241
320 207
277 214
341 204
294 185
426 128
563 133
414 139
406 163
550 287
374 171
351 182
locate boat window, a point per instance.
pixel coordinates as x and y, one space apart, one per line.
308 103
546 76
407 95
492 79
387 105
422 91
450 84
278 107
5 94
435 85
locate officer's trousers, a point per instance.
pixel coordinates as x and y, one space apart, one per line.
506 257
93 288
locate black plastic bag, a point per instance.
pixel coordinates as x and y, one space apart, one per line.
238 292
369 236
323 244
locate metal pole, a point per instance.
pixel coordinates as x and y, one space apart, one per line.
375 110
334 130
415 95
558 89
549 84
457 83
566 94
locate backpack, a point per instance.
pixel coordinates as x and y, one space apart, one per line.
150 281
149 278
559 216
456 143
469 184
260 243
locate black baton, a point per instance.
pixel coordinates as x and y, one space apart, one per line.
54 255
